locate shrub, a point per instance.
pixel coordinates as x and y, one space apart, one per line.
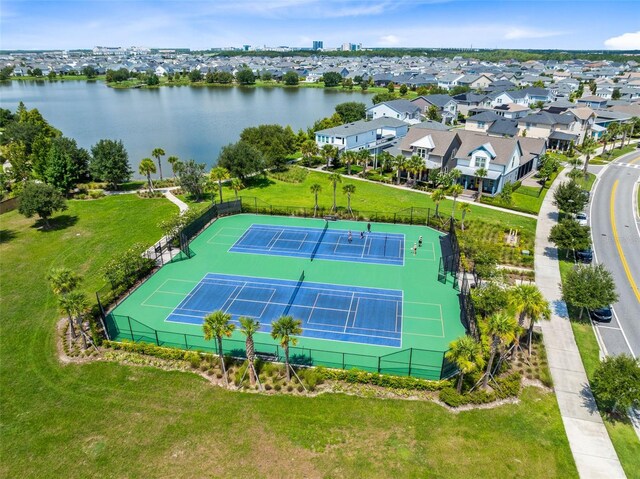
193 358
268 387
383 380
290 387
277 387
95 194
300 388
294 174
451 397
171 354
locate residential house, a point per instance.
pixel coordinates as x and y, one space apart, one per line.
446 105
476 82
449 80
467 101
371 135
592 101
558 129
404 110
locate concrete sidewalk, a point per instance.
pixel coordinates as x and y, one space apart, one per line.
590 444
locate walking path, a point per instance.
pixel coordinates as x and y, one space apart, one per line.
460 199
590 444
168 194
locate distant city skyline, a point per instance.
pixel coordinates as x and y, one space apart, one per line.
201 25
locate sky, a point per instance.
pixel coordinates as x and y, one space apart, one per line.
196 24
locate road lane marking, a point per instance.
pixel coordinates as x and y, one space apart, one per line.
625 265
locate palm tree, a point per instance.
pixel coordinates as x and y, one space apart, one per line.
437 196
328 153
385 160
363 157
217 325
349 190
415 165
62 282
527 301
399 163
613 129
315 189
588 147
501 327
75 303
248 327
157 153
173 161
466 354
464 209
146 168
349 157
284 329
480 174
335 178
606 138
455 191
575 174
308 149
236 185
218 174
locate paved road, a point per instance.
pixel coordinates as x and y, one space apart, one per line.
616 237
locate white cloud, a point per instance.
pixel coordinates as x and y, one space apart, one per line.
626 41
518 33
388 40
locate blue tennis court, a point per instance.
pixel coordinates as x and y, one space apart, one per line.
328 311
319 243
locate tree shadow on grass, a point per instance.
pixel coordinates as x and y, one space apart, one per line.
55 224
6 235
259 182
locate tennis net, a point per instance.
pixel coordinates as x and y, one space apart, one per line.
294 294
315 249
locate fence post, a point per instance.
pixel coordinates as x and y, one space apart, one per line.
342 360
379 364
186 345
411 216
157 341
410 359
428 216
394 218
131 329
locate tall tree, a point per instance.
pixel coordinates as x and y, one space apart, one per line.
399 163
481 173
66 164
569 197
437 196
241 159
570 236
236 186
348 190
110 162
219 174
147 168
502 330
75 303
616 384
249 327
464 209
335 178
329 153
454 191
284 329
308 149
466 353
42 200
217 325
349 157
589 287
158 153
351 111
245 76
191 178
415 164
528 303
62 282
315 189
362 158
174 161
275 142
587 148
291 78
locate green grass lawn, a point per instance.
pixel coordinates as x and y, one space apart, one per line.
611 155
374 197
527 199
106 420
625 441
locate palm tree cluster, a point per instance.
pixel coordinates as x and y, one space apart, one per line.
73 303
218 325
501 328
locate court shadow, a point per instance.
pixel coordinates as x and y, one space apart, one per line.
301 360
445 246
6 235
55 224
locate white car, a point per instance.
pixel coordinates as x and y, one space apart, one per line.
581 218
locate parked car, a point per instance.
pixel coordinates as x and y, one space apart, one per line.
584 255
601 315
581 218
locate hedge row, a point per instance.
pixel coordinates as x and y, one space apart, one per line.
507 387
153 350
355 376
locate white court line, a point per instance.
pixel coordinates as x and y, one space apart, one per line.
365 246
229 296
274 240
197 288
346 323
156 290
234 299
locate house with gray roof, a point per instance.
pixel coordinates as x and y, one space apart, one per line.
404 110
373 135
446 105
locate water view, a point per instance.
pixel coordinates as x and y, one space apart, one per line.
187 122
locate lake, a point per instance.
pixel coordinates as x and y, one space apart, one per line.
188 122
